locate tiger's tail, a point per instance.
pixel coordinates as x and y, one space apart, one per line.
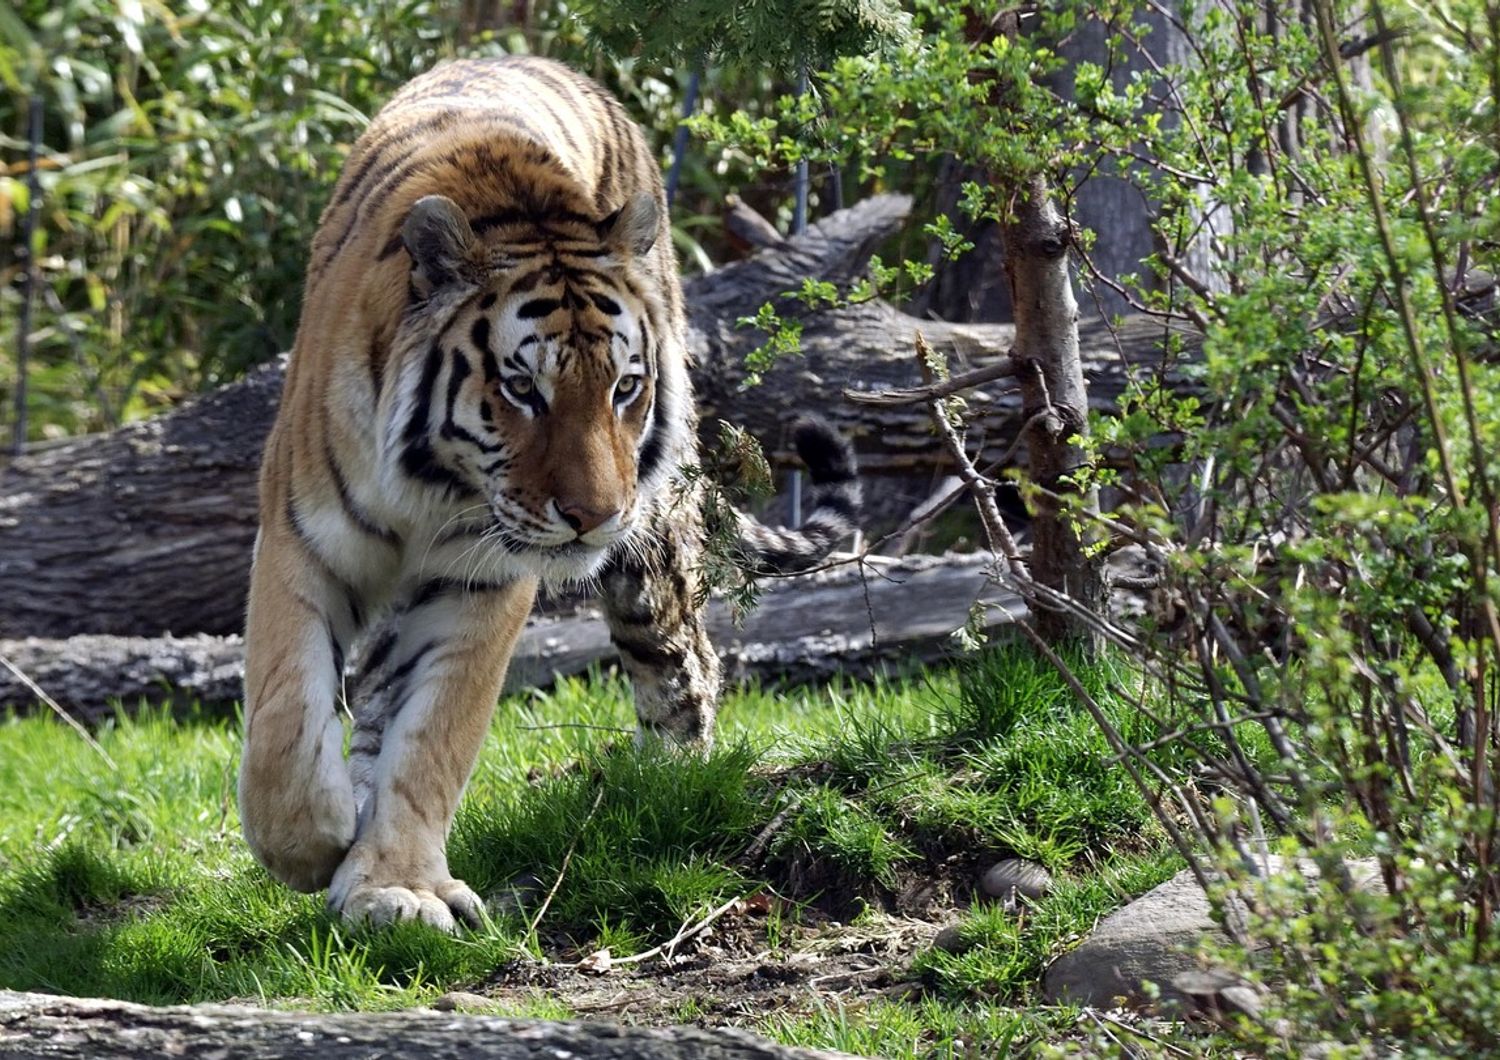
832 509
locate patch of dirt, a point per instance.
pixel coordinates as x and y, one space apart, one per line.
732 974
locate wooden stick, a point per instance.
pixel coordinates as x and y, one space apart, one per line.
567 859
944 388
57 709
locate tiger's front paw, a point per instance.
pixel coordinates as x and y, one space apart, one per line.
361 896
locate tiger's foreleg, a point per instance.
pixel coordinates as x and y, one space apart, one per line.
296 804
656 620
415 743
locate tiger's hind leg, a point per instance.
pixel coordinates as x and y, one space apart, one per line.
656 620
430 682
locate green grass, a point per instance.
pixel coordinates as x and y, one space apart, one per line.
128 878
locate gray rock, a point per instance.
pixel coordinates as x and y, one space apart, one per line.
1218 992
1153 939
1015 877
950 939
463 1001
64 1028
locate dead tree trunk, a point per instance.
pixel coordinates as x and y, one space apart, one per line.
147 530
1055 401
66 1028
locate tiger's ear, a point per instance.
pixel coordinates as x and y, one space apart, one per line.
438 238
633 227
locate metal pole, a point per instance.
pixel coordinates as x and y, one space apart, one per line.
799 225
799 214
28 289
680 138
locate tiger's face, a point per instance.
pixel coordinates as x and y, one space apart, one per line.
539 393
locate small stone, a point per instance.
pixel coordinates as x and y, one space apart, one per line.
1013 877
1245 1000
950 939
463 1001
1218 991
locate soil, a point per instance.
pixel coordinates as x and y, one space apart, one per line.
816 938
732 974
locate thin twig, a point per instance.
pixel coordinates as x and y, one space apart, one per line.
758 845
685 933
1139 1033
1001 369
57 709
577 725
982 488
567 859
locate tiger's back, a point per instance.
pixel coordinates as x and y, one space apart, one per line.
514 138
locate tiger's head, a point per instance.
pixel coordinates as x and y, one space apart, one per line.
541 386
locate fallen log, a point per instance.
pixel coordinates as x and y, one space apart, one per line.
62 1028
841 621
147 530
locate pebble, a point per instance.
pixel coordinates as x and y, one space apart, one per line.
950 939
1013 877
463 1001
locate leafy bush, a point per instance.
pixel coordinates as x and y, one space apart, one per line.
1308 467
187 152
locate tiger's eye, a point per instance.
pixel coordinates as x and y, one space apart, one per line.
627 386
520 385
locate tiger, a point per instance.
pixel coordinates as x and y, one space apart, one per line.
488 391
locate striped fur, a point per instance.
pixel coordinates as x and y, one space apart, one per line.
833 509
488 390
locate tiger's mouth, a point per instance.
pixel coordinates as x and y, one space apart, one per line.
556 563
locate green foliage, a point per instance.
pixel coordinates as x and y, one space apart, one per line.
186 157
782 35
188 152
1320 504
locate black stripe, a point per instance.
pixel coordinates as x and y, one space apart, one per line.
650 655
294 522
535 215
433 123
417 458
433 588
480 334
356 609
531 280
606 178
488 300
457 374
352 511
605 304
371 202
338 654
402 672
377 655
377 367
419 462
538 307
491 367
654 450
416 427
450 429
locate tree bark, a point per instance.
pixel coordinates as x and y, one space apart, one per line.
63 1028
812 627
147 530
1055 403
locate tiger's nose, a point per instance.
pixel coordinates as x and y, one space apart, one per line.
583 518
